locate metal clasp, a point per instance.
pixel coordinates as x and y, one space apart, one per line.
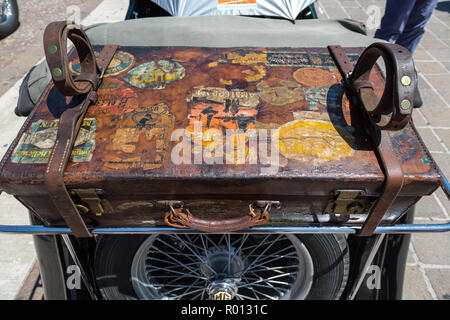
95 204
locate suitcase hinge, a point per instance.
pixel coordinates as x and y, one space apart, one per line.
346 202
91 202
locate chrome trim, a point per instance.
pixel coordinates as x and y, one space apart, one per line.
396 229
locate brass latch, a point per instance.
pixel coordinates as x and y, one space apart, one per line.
346 202
91 202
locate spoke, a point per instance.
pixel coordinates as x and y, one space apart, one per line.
212 242
262 253
271 260
190 269
243 297
275 269
274 253
170 262
200 258
205 250
262 294
262 280
192 286
193 291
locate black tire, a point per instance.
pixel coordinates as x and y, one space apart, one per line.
115 254
9 24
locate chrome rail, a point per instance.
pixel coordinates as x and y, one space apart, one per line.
396 229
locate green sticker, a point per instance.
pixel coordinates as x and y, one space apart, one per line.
36 146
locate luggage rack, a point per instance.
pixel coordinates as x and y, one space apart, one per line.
389 229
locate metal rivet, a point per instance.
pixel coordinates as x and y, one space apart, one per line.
406 81
57 72
52 49
405 104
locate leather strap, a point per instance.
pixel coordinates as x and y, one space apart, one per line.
92 70
55 45
385 114
393 110
182 218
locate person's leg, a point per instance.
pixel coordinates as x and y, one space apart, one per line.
394 20
415 27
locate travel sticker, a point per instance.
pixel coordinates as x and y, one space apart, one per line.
315 77
141 138
311 137
37 145
253 61
222 110
114 99
280 92
318 97
156 75
121 62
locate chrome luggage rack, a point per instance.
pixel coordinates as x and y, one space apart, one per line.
385 229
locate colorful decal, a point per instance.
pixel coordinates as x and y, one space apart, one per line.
245 57
314 77
313 138
155 75
113 99
141 138
280 92
221 109
254 60
37 145
121 62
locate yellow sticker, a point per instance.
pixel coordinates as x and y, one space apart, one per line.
313 141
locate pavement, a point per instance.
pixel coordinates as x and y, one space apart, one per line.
428 267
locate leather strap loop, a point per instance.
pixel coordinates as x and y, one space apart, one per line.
183 219
393 110
55 44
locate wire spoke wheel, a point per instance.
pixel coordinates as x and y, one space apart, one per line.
222 267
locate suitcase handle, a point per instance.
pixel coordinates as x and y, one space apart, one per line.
183 219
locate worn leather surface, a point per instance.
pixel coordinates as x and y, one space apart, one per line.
126 150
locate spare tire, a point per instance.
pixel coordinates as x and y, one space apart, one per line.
218 266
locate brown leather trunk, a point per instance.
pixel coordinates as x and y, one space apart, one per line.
128 162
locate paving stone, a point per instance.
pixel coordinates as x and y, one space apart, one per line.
429 67
444 200
437 115
430 140
427 207
439 282
420 54
443 161
417 118
444 134
430 98
433 43
432 248
440 54
414 286
438 81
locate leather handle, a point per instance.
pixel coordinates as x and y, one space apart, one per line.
183 219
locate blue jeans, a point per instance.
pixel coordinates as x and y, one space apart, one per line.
404 22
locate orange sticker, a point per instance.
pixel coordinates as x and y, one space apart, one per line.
314 77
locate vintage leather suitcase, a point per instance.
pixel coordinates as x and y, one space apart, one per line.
173 129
